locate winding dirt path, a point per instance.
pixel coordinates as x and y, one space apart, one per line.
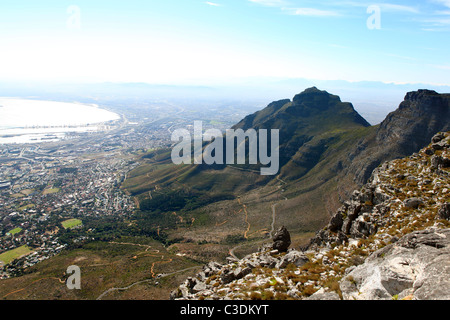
272 226
145 253
19 290
100 297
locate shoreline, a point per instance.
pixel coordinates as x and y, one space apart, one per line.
37 121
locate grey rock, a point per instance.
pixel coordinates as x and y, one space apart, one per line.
293 257
325 237
239 272
437 137
324 296
347 225
444 211
336 222
227 276
362 228
416 265
354 210
200 286
413 202
231 259
428 237
379 196
437 146
438 162
267 261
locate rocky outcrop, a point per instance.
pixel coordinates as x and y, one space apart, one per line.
371 206
212 281
415 267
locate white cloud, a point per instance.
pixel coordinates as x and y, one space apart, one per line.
441 67
387 7
213 4
311 12
443 2
398 8
270 3
438 22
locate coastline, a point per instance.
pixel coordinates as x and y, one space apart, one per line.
34 121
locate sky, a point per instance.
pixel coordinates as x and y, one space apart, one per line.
224 41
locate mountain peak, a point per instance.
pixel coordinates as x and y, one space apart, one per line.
420 94
314 95
430 111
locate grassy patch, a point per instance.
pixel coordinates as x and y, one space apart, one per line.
51 191
71 223
10 255
28 206
15 231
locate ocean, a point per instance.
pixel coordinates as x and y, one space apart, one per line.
32 121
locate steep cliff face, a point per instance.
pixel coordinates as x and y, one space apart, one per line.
403 132
391 240
418 118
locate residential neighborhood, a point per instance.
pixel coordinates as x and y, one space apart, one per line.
41 187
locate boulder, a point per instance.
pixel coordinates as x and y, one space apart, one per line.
293 257
413 202
227 276
336 222
362 228
281 240
438 162
444 211
437 146
438 137
200 286
239 272
321 295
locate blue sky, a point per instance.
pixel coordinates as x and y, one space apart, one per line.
224 41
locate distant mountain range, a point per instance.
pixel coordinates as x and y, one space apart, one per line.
372 99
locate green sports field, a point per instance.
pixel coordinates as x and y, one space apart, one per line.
14 231
71 223
10 255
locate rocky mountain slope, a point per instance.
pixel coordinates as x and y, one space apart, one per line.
403 132
389 241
